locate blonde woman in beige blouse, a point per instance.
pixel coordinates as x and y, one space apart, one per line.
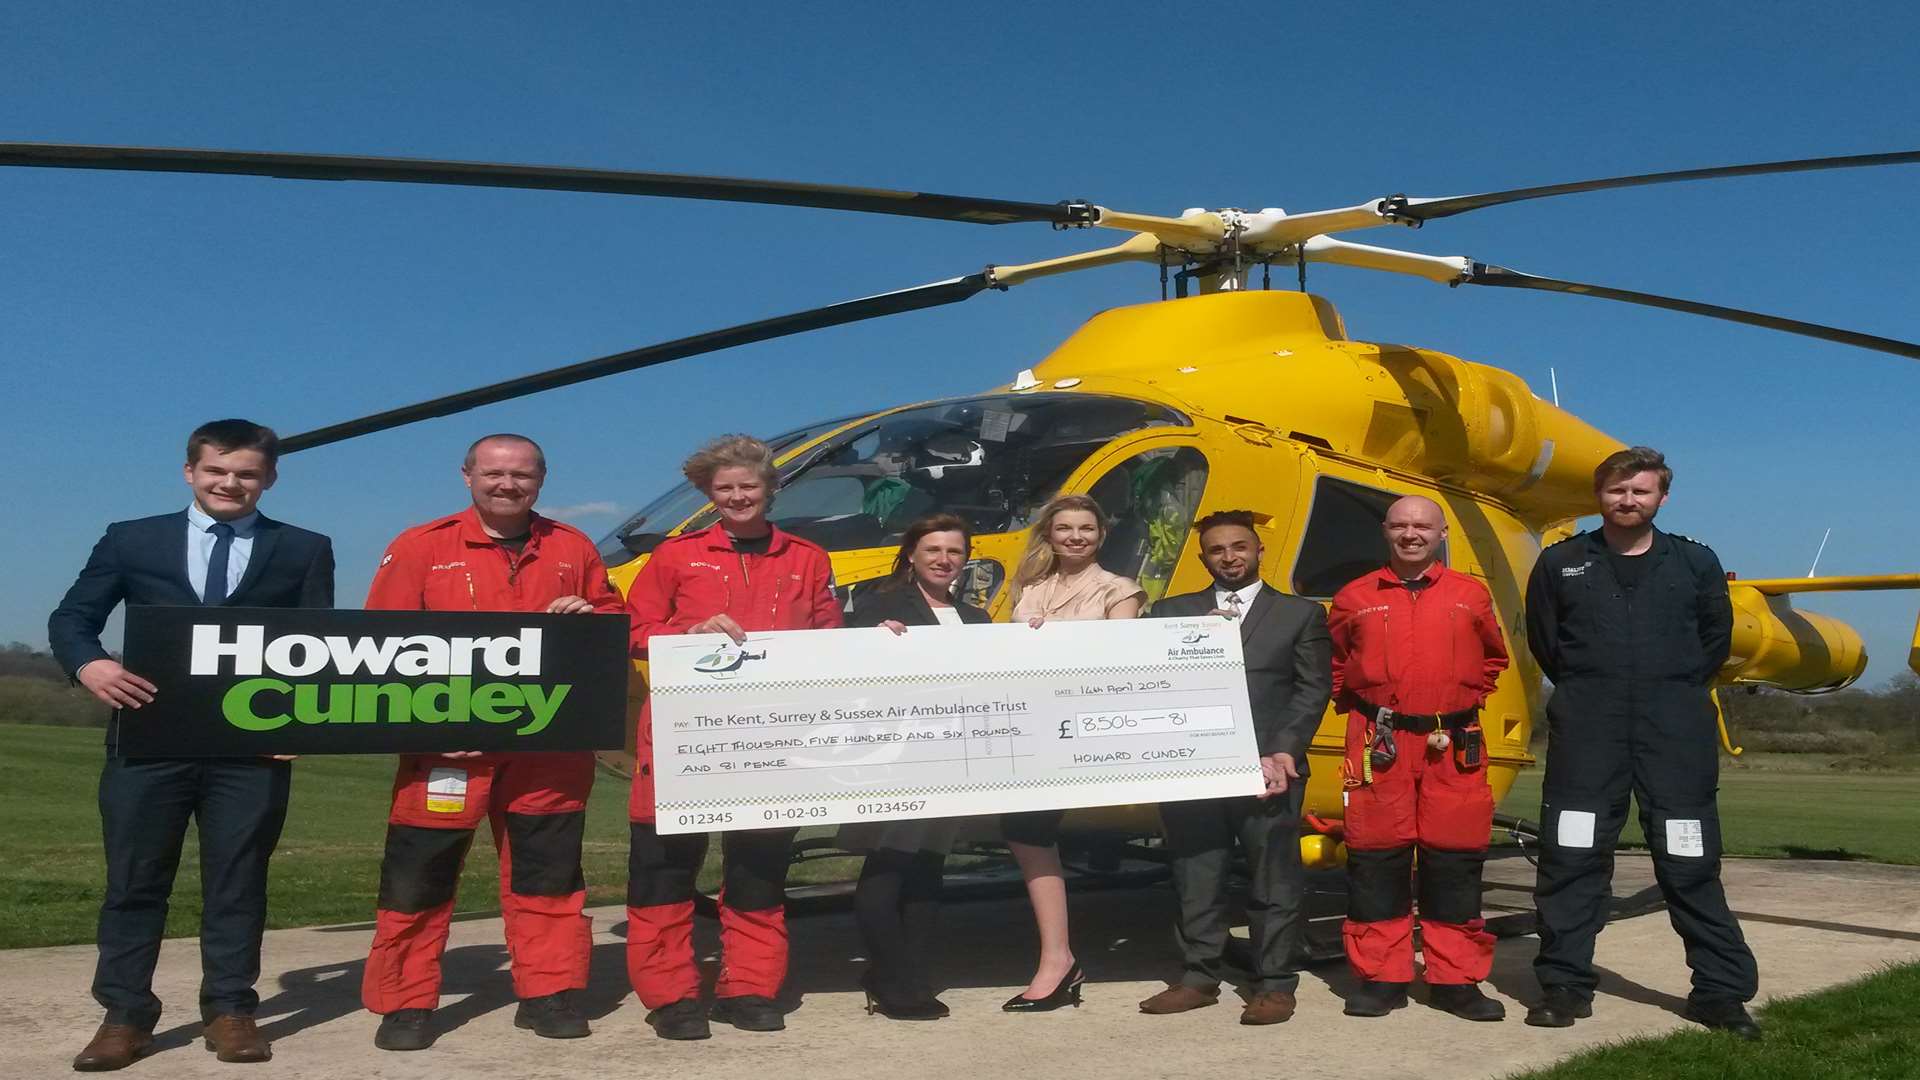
1059 579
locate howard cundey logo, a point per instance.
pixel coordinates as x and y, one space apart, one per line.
263 702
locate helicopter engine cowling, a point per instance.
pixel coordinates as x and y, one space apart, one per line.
1777 645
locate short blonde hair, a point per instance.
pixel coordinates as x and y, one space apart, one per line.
728 452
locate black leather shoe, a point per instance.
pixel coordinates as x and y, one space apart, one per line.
1721 1014
749 1012
405 1029
1465 1001
1065 992
1377 998
1559 1008
683 1020
551 1017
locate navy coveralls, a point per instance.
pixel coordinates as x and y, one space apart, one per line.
1632 670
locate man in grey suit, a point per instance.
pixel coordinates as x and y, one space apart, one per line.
1289 678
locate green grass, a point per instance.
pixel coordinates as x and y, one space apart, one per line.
1865 1030
326 869
328 863
1793 806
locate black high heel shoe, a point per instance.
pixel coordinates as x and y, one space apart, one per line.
1064 994
927 1008
930 1009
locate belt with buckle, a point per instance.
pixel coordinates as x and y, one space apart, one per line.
1418 723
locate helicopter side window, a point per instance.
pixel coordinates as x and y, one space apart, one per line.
1343 538
991 460
1150 500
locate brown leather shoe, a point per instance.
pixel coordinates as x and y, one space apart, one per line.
235 1038
114 1046
1179 998
1268 1007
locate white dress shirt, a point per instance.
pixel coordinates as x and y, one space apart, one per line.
200 548
1224 598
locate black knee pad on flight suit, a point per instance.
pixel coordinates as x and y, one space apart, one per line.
662 869
421 867
545 849
1450 885
1379 884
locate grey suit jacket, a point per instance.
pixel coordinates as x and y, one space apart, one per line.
1289 664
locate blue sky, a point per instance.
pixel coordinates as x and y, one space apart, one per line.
135 306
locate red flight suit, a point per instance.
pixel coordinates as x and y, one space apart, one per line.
1423 651
535 802
688 580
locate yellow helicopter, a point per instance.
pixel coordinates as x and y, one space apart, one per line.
1223 396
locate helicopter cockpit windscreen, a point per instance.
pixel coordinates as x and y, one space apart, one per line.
991 460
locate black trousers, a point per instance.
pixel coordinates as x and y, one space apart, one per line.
1200 835
1657 741
896 905
239 805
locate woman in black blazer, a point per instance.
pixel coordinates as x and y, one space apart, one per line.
899 892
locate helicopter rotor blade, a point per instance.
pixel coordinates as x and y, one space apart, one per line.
543 177
1424 210
953 290
1501 277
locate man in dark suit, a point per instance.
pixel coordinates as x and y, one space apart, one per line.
1289 678
220 550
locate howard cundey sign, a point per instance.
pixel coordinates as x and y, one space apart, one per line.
273 680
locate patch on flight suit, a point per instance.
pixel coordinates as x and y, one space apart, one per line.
387 558
1686 838
1576 829
1574 571
446 790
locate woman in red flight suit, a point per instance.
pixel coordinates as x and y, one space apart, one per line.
736 577
1416 651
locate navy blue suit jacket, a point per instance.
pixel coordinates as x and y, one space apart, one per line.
145 562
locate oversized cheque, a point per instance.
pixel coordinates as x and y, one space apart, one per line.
817 727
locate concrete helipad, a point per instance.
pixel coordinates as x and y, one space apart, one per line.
1812 925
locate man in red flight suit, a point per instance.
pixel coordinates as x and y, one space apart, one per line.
497 555
1416 650
738 576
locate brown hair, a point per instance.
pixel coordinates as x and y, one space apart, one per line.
539 455
231 435
1038 560
920 529
730 452
1631 461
